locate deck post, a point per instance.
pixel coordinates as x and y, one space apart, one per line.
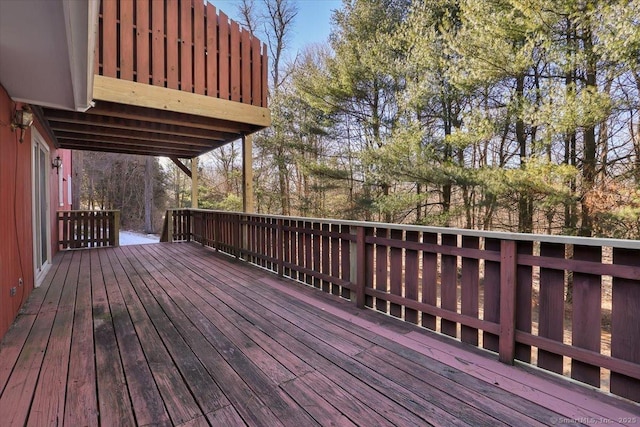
353 261
361 267
170 225
280 246
247 174
508 268
194 183
216 231
116 228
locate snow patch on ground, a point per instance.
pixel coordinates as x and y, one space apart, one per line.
133 238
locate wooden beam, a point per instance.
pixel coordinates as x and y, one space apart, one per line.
60 119
121 141
150 115
141 134
181 166
194 183
247 174
142 95
125 149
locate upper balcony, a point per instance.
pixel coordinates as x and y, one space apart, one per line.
174 78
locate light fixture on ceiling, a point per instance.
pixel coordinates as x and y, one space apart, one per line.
57 162
23 119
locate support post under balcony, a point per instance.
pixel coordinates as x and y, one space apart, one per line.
247 174
194 183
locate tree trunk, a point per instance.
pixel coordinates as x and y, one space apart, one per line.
589 159
525 204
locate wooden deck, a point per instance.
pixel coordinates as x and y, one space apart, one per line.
174 334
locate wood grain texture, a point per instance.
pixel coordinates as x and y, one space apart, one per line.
143 36
126 59
625 333
199 55
411 277
586 319
382 269
109 39
212 50
429 280
235 54
265 75
245 66
395 273
173 58
449 285
141 95
185 46
158 55
223 56
491 300
469 292
551 307
221 342
256 75
524 293
508 284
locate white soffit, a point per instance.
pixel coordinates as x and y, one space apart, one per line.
46 51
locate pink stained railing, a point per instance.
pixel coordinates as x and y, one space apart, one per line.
503 292
184 45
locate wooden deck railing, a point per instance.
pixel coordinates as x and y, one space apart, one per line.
503 292
183 45
88 229
176 226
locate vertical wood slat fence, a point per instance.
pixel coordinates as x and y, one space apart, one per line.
88 229
184 45
503 292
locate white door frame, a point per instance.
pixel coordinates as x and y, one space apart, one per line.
37 143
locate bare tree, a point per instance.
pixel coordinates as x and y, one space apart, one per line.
280 15
248 15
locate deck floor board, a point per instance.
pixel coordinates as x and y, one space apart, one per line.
174 334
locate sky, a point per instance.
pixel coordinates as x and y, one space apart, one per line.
312 24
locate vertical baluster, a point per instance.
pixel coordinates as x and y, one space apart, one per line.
345 259
395 274
551 314
411 276
625 321
172 58
199 56
491 300
470 289
223 57
429 279
212 51
126 40
335 258
235 61
449 284
142 41
382 268
186 52
586 314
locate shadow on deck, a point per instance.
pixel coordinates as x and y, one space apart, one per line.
173 334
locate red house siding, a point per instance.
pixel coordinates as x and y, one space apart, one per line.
16 234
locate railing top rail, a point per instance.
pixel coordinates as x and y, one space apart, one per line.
89 210
503 235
